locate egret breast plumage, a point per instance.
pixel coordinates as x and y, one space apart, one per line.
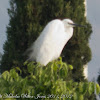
49 45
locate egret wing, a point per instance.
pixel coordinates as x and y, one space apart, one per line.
50 43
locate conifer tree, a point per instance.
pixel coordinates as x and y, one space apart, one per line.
27 20
16 36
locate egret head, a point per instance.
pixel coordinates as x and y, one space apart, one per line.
70 23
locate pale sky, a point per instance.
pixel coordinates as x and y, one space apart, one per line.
93 15
4 19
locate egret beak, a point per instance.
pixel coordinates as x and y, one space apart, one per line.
77 25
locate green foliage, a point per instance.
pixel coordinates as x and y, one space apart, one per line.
44 83
97 89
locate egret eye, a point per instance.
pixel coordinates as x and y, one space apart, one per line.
70 23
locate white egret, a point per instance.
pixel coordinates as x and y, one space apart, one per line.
51 41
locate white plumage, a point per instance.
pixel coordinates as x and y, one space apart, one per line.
51 41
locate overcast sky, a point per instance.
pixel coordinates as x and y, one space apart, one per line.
93 15
4 19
